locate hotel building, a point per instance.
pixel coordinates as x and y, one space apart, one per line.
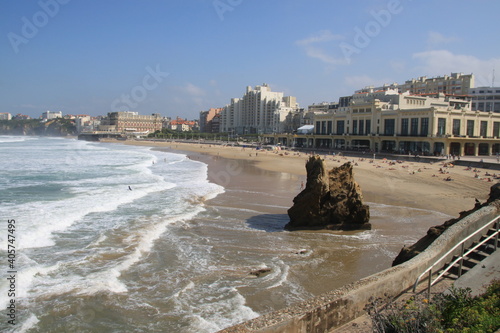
260 111
130 122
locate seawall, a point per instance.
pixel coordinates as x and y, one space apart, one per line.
338 307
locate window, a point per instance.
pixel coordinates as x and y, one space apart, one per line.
414 126
361 127
389 126
424 127
318 127
368 127
470 127
441 126
340 126
484 129
354 127
404 126
329 127
456 127
496 129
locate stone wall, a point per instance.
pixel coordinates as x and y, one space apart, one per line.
340 306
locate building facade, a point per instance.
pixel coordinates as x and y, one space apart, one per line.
485 99
392 122
51 115
207 120
5 116
259 111
453 84
133 122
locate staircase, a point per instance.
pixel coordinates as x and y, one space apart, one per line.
464 259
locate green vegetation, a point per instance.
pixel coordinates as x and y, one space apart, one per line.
455 312
196 135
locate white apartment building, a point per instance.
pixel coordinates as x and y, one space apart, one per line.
260 110
453 84
51 115
5 116
485 99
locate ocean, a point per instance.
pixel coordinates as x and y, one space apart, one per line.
116 238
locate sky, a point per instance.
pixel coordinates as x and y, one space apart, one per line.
180 57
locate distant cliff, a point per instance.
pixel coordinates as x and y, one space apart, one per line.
53 127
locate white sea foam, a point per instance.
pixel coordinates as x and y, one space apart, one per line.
11 139
29 323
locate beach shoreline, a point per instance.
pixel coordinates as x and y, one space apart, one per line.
417 185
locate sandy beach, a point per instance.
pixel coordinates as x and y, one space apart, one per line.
406 184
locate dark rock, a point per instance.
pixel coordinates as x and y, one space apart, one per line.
434 232
260 272
331 200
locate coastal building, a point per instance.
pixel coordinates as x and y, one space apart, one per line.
259 111
390 121
207 120
453 84
131 122
323 107
182 125
5 116
485 99
47 115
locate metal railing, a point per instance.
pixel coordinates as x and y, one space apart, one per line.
462 255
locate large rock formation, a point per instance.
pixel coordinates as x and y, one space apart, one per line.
331 200
434 232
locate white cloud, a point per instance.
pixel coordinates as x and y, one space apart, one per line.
441 62
193 90
437 39
320 37
313 50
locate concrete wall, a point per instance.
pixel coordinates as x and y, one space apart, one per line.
340 306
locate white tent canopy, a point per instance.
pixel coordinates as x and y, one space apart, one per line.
306 129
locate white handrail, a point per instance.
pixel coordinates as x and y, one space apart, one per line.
488 224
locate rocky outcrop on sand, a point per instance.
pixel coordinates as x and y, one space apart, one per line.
331 200
434 232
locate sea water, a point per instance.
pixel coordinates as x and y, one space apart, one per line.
115 238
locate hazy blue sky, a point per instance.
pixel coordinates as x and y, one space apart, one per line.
179 57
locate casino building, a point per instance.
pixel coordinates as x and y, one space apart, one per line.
388 120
